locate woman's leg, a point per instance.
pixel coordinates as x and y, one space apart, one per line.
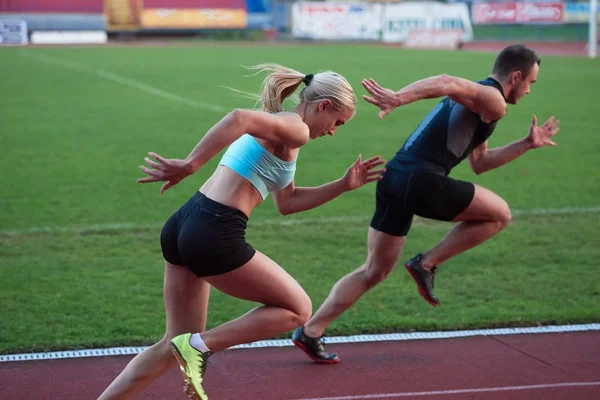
286 306
186 303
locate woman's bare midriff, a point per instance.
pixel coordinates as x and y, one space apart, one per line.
229 188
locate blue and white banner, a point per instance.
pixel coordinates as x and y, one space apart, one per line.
401 18
336 21
578 12
13 33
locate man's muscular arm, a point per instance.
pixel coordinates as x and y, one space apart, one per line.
484 100
482 159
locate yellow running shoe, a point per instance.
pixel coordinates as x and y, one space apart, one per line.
192 363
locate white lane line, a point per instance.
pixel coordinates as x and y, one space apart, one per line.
283 221
387 337
458 391
126 81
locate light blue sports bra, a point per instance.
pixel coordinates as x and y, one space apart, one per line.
266 172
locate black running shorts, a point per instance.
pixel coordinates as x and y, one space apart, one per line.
207 237
402 194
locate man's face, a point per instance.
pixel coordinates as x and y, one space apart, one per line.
520 84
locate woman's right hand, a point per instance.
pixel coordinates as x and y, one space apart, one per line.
170 170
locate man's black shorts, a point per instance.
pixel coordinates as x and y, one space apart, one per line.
402 194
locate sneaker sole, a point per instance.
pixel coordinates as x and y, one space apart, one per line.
188 387
422 291
317 360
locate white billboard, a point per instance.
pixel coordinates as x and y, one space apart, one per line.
336 21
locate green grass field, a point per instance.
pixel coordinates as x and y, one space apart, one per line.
80 256
561 32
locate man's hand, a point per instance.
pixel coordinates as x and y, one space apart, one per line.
540 136
383 98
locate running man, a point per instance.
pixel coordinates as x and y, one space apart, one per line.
417 181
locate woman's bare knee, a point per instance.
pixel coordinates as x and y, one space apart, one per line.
501 214
306 311
505 217
302 310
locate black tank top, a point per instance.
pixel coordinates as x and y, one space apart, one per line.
447 135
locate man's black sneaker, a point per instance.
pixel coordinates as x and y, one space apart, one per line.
313 347
423 278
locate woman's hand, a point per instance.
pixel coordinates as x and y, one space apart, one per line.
361 172
170 170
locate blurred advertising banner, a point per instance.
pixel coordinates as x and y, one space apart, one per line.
401 18
434 39
122 15
13 33
518 13
336 21
578 12
494 13
135 15
172 18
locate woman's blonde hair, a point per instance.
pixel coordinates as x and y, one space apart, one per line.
282 82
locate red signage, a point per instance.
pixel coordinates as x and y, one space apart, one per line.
324 8
540 12
510 13
494 13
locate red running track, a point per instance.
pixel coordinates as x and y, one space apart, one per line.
398 370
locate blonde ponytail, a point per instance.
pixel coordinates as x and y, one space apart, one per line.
282 82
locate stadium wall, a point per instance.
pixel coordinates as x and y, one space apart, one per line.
488 20
50 15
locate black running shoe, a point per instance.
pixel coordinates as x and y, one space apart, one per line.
313 347
423 278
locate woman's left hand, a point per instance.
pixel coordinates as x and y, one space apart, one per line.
361 172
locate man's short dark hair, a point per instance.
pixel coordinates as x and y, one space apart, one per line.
515 57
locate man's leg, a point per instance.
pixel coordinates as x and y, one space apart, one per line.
387 232
383 253
486 215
